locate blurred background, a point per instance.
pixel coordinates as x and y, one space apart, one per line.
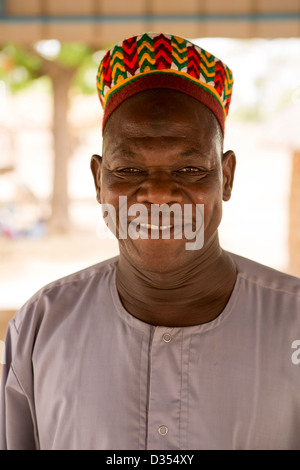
50 125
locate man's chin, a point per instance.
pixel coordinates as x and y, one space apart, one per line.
158 256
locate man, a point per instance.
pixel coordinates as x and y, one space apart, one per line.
164 346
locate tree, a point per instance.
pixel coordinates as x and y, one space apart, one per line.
63 64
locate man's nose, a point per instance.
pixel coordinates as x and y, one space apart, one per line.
159 188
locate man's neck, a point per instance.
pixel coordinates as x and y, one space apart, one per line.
195 294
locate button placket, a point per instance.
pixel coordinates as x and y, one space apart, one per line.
165 388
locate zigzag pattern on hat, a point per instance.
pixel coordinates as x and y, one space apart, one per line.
153 53
130 55
180 53
163 52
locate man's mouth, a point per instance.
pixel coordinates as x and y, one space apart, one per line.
163 225
156 227
153 231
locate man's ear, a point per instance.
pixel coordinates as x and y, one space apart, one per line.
96 167
228 166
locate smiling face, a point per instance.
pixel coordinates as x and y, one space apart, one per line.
164 147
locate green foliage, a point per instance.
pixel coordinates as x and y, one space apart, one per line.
19 67
247 113
73 54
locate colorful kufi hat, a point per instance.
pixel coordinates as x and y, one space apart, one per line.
163 61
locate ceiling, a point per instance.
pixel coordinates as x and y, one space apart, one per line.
103 22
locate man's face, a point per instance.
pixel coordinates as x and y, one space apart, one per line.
163 147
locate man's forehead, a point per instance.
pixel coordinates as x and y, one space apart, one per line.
161 114
184 138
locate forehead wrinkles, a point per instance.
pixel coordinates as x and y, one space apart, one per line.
134 139
165 132
160 146
135 126
136 147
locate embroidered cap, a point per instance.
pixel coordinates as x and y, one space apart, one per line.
155 60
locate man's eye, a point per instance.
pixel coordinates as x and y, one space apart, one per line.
129 170
190 170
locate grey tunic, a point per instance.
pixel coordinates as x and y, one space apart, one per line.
82 373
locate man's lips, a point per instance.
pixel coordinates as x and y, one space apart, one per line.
180 222
155 227
162 231
153 231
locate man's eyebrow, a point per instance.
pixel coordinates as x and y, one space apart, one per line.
119 152
194 152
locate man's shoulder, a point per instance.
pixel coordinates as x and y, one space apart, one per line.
82 276
86 280
265 276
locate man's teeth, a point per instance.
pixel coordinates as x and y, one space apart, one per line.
156 227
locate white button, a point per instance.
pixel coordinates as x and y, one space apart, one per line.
163 430
167 337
